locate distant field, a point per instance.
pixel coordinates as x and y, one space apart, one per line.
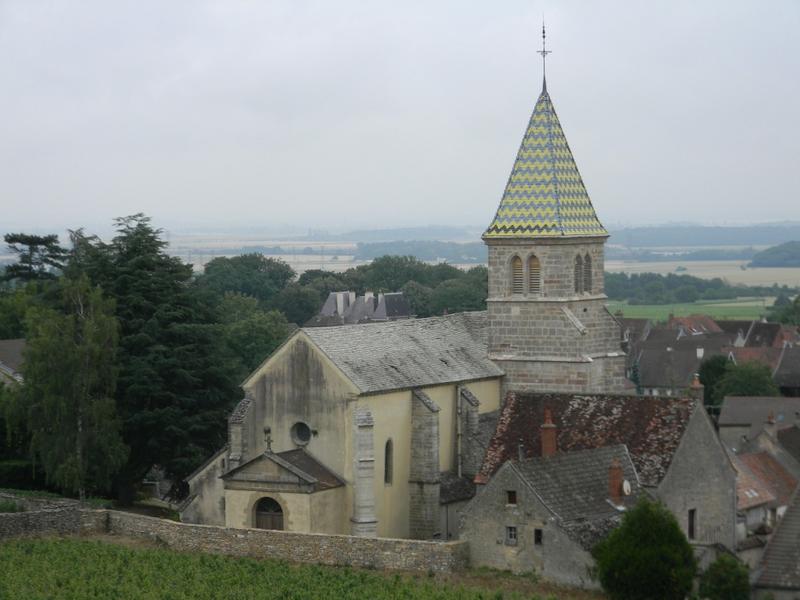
729 270
73 568
741 308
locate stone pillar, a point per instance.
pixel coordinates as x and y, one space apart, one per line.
472 451
237 435
424 475
363 522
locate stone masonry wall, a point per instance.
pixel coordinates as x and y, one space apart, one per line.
424 477
343 550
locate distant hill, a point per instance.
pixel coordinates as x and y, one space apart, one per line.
452 252
698 235
783 255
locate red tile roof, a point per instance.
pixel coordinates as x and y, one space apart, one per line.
766 355
750 490
764 466
651 428
695 324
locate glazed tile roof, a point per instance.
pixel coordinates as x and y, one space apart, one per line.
545 195
651 428
780 565
409 353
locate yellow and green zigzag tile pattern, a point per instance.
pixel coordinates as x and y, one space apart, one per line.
545 195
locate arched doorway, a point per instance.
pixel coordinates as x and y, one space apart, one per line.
269 514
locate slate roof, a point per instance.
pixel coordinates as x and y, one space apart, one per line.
544 195
11 357
651 428
780 482
780 564
453 488
768 334
789 439
662 368
788 372
574 486
409 353
734 326
753 411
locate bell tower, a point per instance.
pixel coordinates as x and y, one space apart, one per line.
549 327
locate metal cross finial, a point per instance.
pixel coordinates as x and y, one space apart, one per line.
544 52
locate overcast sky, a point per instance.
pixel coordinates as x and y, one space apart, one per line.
375 114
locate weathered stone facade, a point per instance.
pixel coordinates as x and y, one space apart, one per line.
554 338
423 478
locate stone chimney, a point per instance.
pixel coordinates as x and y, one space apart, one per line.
700 352
340 296
615 482
696 388
548 433
521 450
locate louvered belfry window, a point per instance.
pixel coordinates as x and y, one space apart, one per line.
578 274
587 274
517 278
534 276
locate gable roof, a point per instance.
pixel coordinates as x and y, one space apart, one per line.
789 439
544 195
753 411
298 462
574 486
651 428
780 482
766 355
780 564
788 372
409 353
751 491
695 324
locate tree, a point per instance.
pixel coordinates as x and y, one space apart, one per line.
37 256
787 313
418 297
726 578
251 274
711 372
298 302
457 295
746 379
68 391
250 333
175 384
647 557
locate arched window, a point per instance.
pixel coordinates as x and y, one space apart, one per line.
587 274
269 514
517 279
388 463
578 274
534 276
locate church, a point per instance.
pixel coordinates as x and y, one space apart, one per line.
379 429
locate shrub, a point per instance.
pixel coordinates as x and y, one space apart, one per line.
725 579
646 558
9 506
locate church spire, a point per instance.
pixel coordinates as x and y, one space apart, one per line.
544 52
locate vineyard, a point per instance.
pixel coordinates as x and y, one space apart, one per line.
84 569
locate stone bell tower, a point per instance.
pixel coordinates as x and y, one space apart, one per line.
549 328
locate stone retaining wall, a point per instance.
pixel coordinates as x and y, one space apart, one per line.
378 553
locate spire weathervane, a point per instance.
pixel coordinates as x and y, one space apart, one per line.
544 52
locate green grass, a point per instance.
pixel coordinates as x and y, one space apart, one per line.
84 569
9 506
741 308
92 501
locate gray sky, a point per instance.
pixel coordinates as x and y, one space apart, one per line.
378 114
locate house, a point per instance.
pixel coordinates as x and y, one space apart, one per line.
778 575
11 352
671 441
787 375
742 418
546 513
345 308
